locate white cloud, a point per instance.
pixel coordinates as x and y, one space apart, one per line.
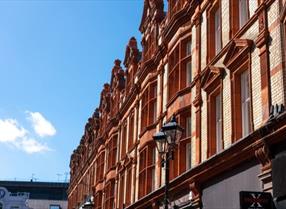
10 130
32 146
12 133
41 125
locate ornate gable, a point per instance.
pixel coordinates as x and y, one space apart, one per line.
132 53
105 98
117 77
152 9
211 77
237 51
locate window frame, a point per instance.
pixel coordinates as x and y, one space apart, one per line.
100 167
121 190
178 61
186 139
237 60
149 106
129 185
213 141
123 140
212 84
98 199
147 164
211 38
131 132
235 11
111 152
109 194
237 114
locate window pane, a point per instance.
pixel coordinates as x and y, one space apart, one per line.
188 156
245 103
189 48
218 123
55 207
153 178
153 174
243 12
189 72
188 126
217 32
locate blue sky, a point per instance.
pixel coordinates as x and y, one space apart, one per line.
55 57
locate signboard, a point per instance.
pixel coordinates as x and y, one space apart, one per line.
255 200
2 193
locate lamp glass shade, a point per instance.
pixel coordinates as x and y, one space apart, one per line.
173 131
161 143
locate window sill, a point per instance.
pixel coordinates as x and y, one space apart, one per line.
148 128
181 92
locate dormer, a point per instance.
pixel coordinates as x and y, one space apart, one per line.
153 15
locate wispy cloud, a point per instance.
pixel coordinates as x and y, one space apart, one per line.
14 134
41 125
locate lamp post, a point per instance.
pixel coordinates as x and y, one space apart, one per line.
166 140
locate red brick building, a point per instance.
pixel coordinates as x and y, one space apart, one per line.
219 66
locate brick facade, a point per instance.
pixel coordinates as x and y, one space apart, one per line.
116 161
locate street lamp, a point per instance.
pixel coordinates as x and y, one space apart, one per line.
166 140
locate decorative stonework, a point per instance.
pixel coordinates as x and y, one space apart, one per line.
263 155
212 77
237 52
196 194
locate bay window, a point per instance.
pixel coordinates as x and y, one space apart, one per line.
146 170
149 106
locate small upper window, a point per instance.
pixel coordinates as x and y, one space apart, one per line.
188 155
55 207
243 12
245 103
189 72
218 123
217 31
214 31
189 126
189 48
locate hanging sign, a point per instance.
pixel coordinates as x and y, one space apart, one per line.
255 200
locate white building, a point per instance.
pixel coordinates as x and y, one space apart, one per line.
33 195
10 200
